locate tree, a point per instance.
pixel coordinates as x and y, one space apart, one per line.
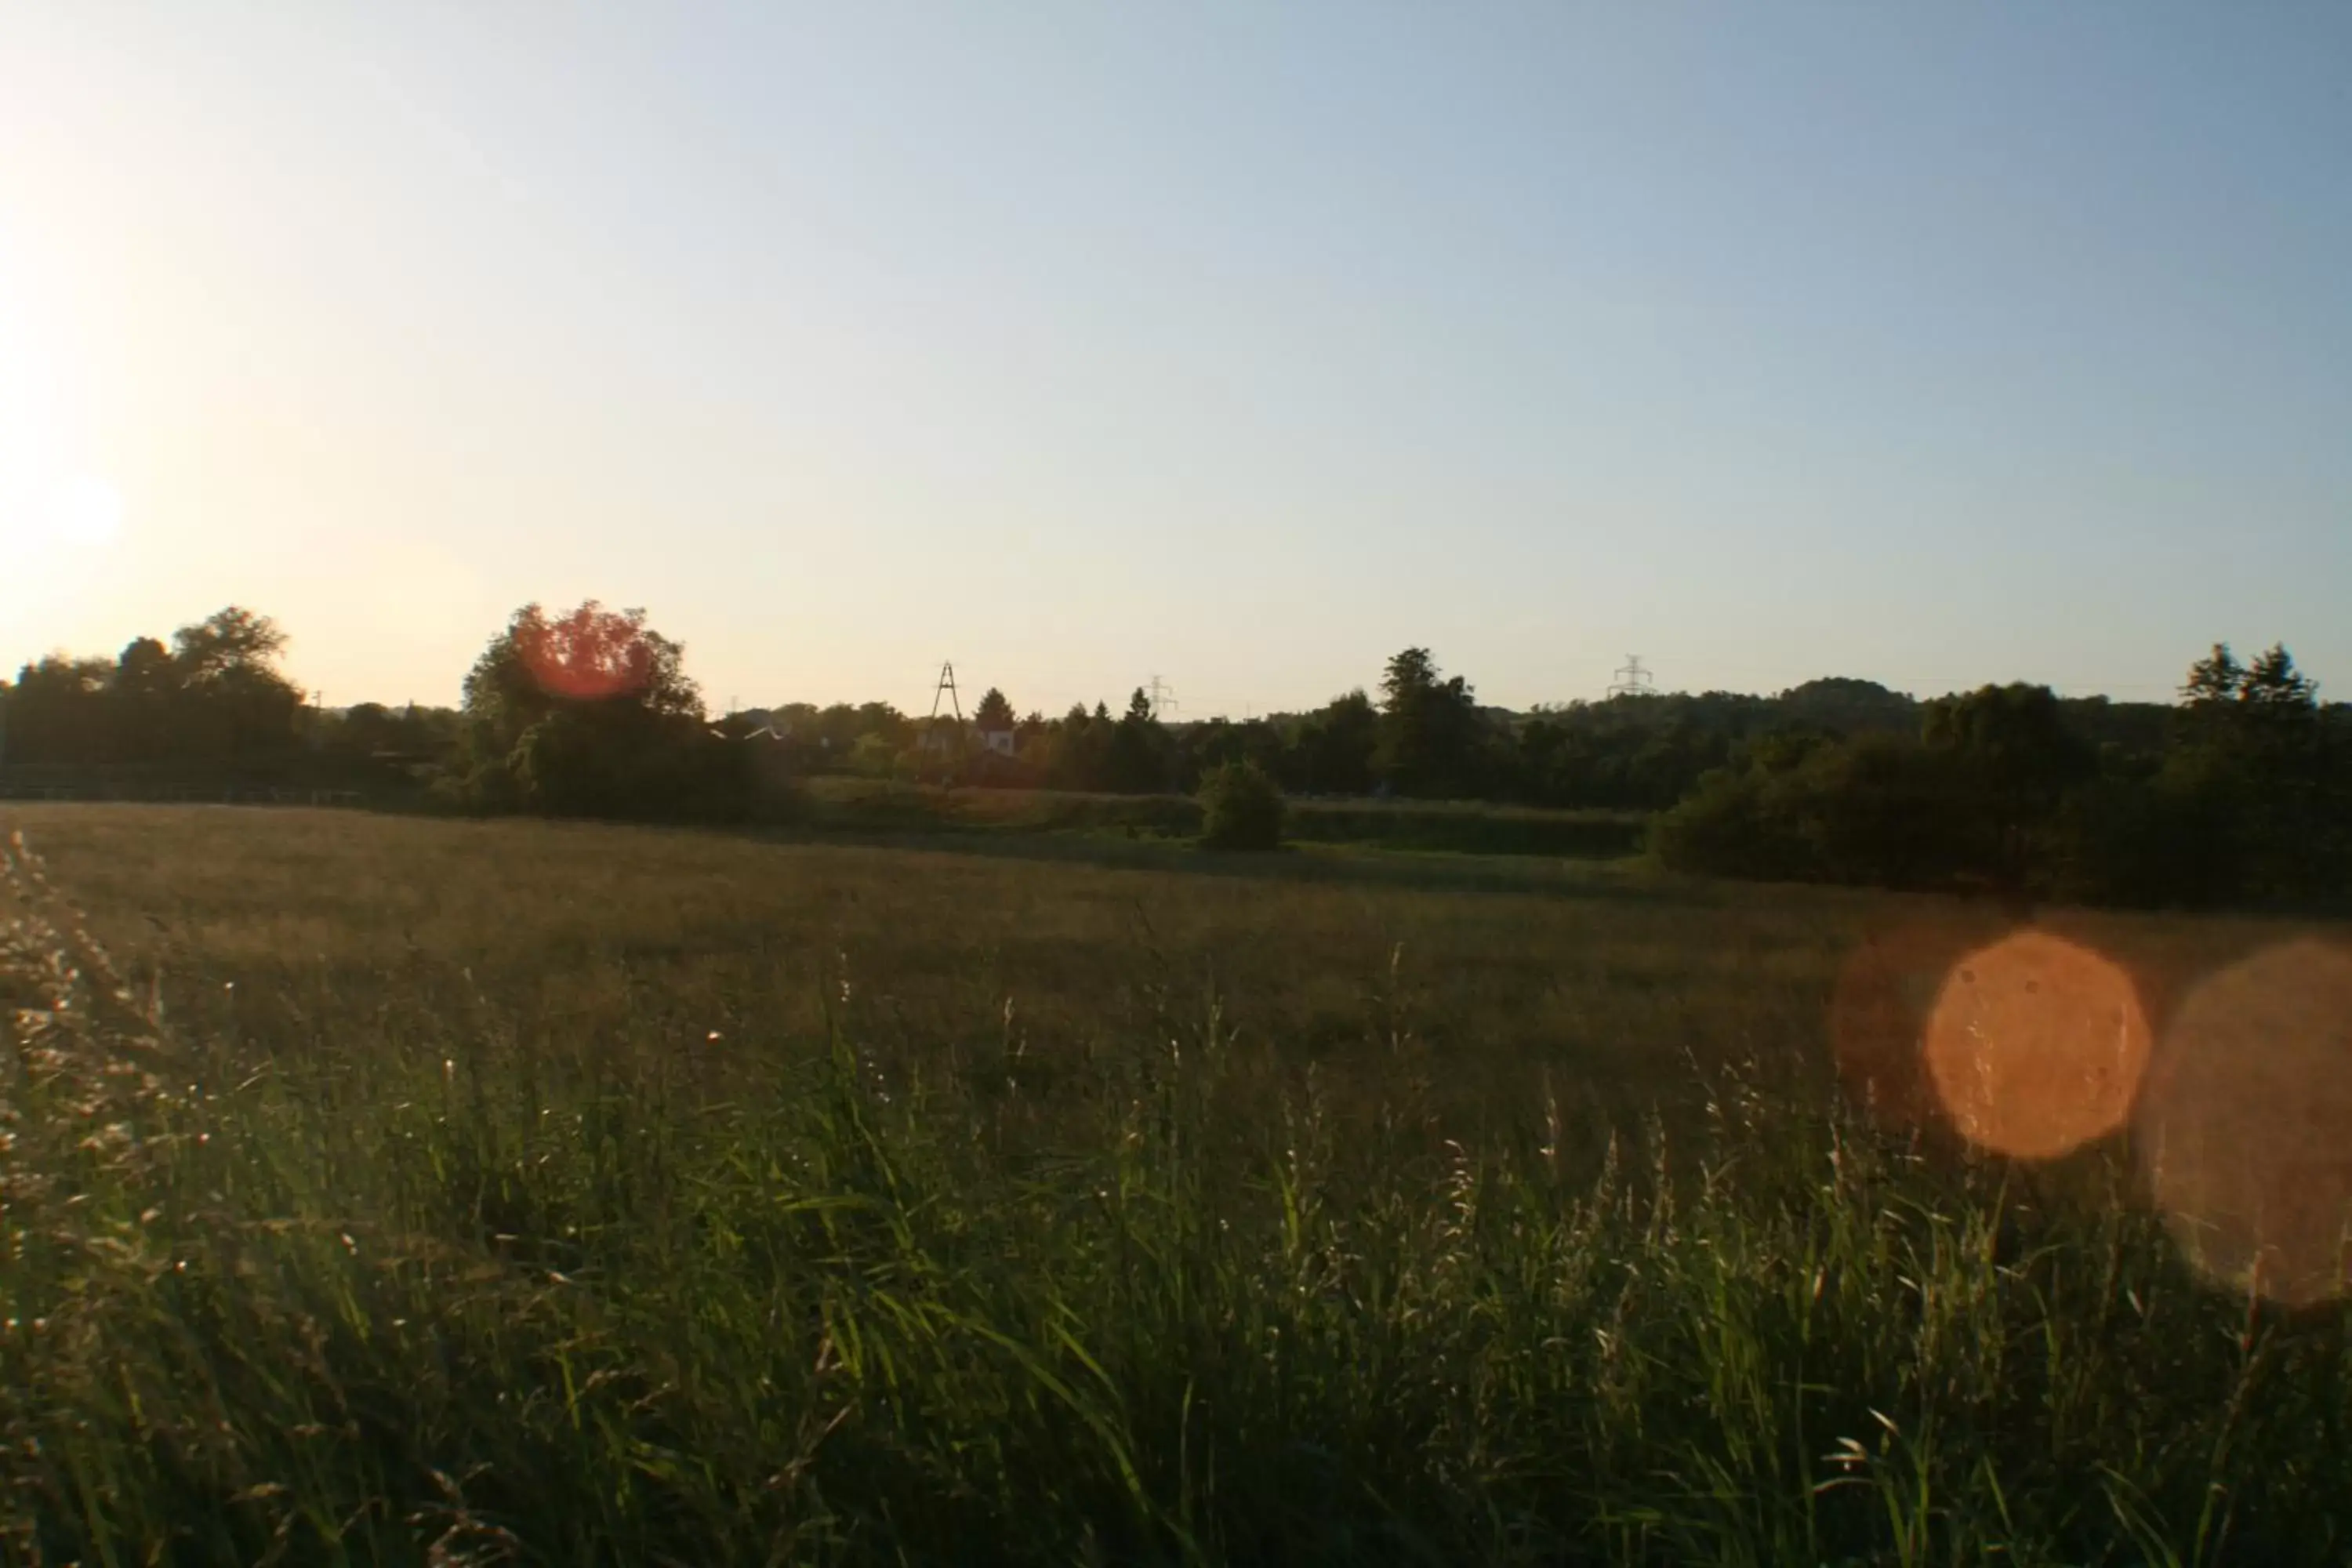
591 713
1429 728
993 712
214 698
2273 685
1729 825
2213 681
2254 766
230 642
232 703
57 711
145 670
1138 751
1334 751
2015 759
1240 809
1076 749
1877 808
538 667
1842 706
2247 801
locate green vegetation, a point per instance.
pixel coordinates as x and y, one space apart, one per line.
209 715
592 714
1240 809
2248 800
2240 796
414 1191
868 807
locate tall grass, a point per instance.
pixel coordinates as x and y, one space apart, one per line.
306 1274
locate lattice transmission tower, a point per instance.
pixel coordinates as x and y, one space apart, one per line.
1633 680
945 691
946 750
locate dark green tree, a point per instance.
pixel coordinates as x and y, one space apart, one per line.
232 703
2255 767
592 714
1430 729
1240 809
994 712
1140 751
213 700
57 711
230 641
1335 747
2013 760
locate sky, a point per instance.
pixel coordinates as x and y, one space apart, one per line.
1238 344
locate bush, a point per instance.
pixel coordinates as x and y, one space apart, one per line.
1877 810
1240 809
1726 828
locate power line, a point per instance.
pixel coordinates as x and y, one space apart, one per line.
1162 697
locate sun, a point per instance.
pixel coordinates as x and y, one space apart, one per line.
85 510
52 497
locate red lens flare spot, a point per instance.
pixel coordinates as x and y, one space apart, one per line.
2036 1046
590 653
2246 1129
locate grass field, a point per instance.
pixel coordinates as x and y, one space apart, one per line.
424 1191
1462 827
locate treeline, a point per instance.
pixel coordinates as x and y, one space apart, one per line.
1423 736
214 698
2241 791
210 704
2243 795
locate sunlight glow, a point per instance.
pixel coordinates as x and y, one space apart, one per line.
27 433
46 497
85 511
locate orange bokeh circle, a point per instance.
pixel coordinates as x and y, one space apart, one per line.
2036 1046
2246 1128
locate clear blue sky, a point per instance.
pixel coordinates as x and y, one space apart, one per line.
1240 343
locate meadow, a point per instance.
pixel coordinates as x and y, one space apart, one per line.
838 805
385 1189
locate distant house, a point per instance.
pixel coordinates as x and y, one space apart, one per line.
763 721
944 737
763 743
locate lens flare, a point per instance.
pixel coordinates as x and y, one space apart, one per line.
2036 1046
589 654
2246 1129
1878 1014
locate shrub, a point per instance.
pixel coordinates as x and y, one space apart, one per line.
1725 828
1240 809
1877 809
